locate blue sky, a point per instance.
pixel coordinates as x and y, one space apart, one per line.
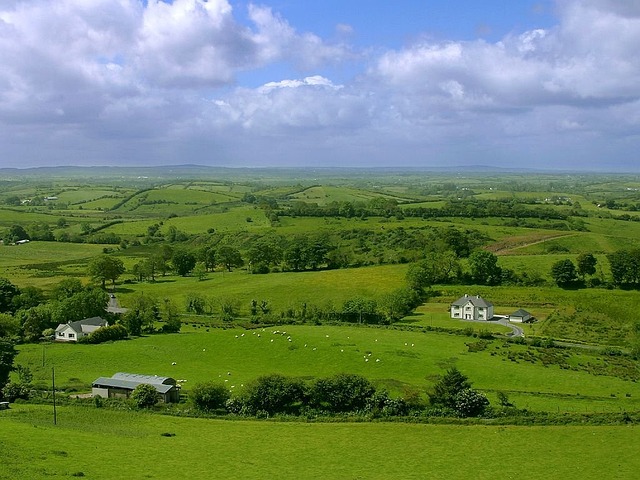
535 84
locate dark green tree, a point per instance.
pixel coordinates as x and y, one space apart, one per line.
586 264
564 273
105 267
183 262
7 354
360 309
170 315
446 390
89 302
273 394
9 325
625 267
7 292
209 396
141 315
484 268
144 396
66 288
15 234
341 393
229 257
35 321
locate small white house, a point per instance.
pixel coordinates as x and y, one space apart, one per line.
472 308
521 316
72 331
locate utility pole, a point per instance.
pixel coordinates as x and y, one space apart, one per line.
53 389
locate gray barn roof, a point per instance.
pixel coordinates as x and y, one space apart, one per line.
476 301
130 381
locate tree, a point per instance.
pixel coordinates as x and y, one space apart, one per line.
586 264
144 396
29 296
342 393
399 303
437 267
200 271
360 309
484 268
170 315
273 394
448 387
209 396
15 234
87 303
183 262
625 267
229 257
564 273
66 288
35 321
106 267
141 315
7 354
9 325
7 292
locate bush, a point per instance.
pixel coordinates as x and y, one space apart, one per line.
144 396
470 403
15 390
209 396
342 393
273 394
106 334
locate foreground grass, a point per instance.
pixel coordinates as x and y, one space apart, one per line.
88 441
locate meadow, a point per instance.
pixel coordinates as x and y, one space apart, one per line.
404 362
86 441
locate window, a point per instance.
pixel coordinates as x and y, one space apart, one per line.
61 334
72 335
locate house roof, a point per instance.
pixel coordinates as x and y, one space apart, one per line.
77 325
130 381
520 313
476 301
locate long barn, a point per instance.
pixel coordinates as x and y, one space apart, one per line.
122 385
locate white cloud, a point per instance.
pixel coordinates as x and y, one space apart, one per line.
107 78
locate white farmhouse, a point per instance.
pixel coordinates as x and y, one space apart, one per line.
72 331
472 308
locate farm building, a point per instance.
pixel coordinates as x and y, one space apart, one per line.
72 331
472 308
122 385
521 316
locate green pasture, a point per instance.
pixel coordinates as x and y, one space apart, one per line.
23 216
403 362
86 194
323 195
87 441
281 290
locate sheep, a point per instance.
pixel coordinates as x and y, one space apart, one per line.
173 363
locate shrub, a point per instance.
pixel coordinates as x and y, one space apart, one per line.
209 396
342 393
144 396
106 334
273 394
470 403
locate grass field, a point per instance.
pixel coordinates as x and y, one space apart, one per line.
103 444
402 362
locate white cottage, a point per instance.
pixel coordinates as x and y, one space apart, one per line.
472 308
72 331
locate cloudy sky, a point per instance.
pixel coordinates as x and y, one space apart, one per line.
417 83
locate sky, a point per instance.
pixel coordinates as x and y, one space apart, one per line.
550 84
